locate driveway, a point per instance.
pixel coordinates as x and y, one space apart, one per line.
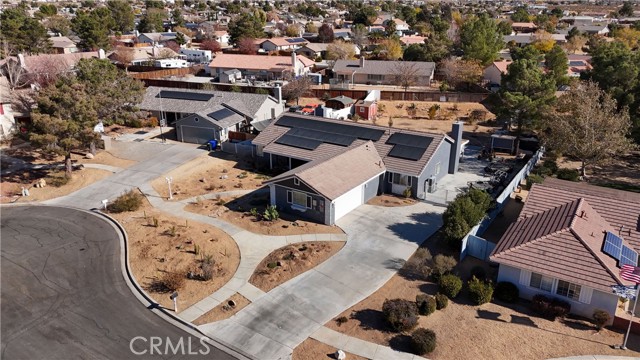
379 241
64 295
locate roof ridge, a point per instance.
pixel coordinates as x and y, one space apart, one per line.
341 155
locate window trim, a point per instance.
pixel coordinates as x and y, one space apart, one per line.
551 281
308 201
393 181
296 181
575 291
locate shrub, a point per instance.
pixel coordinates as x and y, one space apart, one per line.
270 213
550 308
480 292
534 179
540 304
407 192
58 180
341 320
477 115
441 301
600 318
506 291
129 201
479 272
169 282
443 264
568 174
550 164
423 341
464 213
401 314
207 271
450 285
426 304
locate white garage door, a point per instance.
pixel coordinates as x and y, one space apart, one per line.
348 201
196 135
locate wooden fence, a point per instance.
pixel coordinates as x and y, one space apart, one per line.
158 74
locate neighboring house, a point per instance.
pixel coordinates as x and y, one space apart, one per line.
339 102
281 44
401 25
197 56
410 161
63 45
492 74
524 27
262 67
145 55
339 107
598 29
577 67
342 34
198 115
377 28
569 242
412 39
160 38
230 76
381 72
40 67
222 37
313 50
171 63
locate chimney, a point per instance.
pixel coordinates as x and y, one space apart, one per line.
294 61
454 157
362 61
277 93
101 54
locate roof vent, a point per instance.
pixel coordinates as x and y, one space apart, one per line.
582 214
621 229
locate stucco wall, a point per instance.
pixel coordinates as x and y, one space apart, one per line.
442 156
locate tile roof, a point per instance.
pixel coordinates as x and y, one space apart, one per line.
412 39
524 25
255 62
502 65
355 166
245 103
564 242
380 67
269 135
284 41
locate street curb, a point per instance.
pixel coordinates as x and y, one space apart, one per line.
148 302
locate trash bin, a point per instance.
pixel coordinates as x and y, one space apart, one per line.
213 144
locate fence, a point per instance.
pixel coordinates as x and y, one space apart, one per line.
472 243
164 72
399 95
243 149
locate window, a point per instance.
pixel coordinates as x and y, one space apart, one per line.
373 77
299 199
296 181
541 282
196 119
567 289
399 179
362 109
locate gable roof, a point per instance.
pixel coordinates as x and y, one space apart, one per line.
563 242
380 67
61 42
502 65
284 41
268 137
33 63
256 62
219 116
244 103
355 166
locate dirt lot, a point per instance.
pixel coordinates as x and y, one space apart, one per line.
311 349
480 332
388 200
170 247
223 311
622 173
207 174
290 261
237 211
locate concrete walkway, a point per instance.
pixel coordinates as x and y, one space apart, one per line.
113 169
380 240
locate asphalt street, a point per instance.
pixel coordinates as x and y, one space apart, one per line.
64 296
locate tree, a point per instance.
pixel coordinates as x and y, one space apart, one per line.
310 27
463 213
294 89
247 46
556 62
389 49
435 48
177 18
406 74
359 35
626 9
46 10
528 52
152 21
16 75
247 25
93 28
124 55
504 28
339 50
480 40
521 15
58 24
292 30
525 94
461 72
543 41
390 28
628 36
211 45
587 125
365 15
24 33
325 33
122 14
576 43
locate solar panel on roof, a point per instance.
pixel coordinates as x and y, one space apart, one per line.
628 257
576 63
612 245
221 114
325 137
182 95
329 127
407 152
409 140
295 40
299 142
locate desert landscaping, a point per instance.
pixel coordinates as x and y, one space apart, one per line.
225 310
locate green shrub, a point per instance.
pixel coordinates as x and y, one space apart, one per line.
272 265
507 292
600 318
402 315
341 320
480 292
479 272
129 201
443 264
568 174
270 213
465 212
441 301
550 164
450 285
407 192
423 341
534 179
426 304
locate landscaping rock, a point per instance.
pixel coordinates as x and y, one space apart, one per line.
340 355
89 156
224 177
41 183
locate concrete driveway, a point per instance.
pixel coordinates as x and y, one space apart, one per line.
379 241
64 295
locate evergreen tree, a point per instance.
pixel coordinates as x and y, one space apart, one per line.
480 40
23 33
122 14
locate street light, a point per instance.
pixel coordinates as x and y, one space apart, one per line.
169 181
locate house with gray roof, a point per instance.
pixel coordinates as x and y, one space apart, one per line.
569 242
324 180
372 72
202 115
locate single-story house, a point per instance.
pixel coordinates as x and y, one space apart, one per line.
202 115
412 39
63 45
524 27
411 162
596 29
262 67
160 38
197 56
282 43
381 72
569 242
143 55
313 50
492 74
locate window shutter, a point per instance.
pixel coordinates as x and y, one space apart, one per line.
525 277
585 295
289 197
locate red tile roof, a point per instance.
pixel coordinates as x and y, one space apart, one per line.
256 62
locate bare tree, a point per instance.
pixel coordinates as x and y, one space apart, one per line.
16 75
125 56
339 50
459 72
247 46
586 125
165 53
406 74
296 88
44 70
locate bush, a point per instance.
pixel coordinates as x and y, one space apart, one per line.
450 285
401 314
441 301
423 341
507 292
568 174
550 308
479 272
464 213
169 282
550 164
540 304
443 264
270 213
600 318
341 320
534 179
480 292
57 180
129 201
426 304
407 192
